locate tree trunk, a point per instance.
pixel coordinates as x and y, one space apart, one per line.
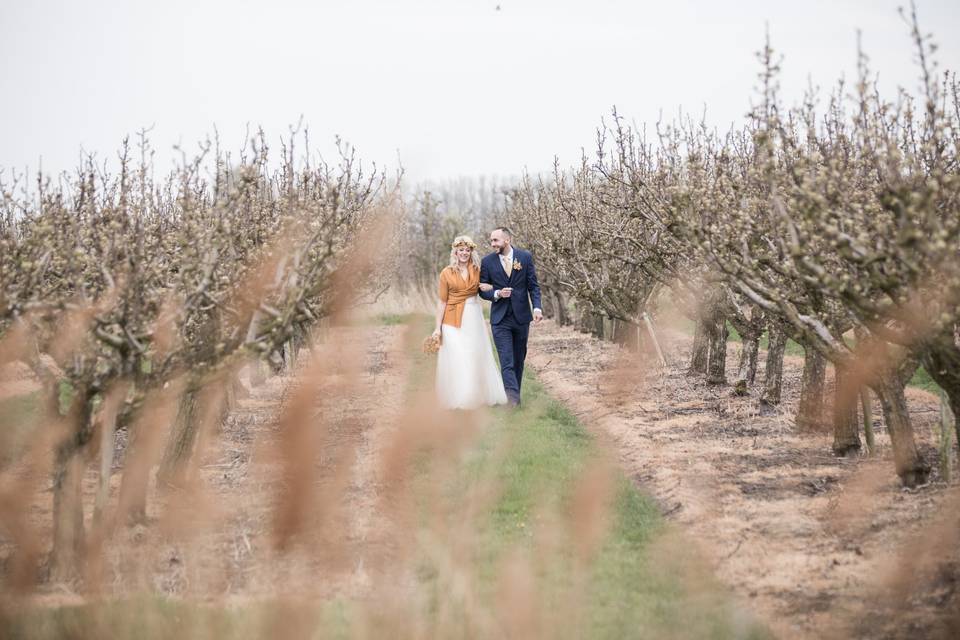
584 317
68 531
717 358
910 466
754 359
563 317
548 301
300 340
106 423
846 438
69 465
611 330
701 347
773 376
182 440
107 448
810 412
148 433
599 325
257 372
747 368
277 360
941 358
200 412
132 501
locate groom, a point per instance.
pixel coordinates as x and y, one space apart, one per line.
511 273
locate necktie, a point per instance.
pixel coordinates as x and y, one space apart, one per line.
507 265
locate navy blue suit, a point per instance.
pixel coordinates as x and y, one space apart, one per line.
510 317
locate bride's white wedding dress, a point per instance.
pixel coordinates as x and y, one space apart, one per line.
467 374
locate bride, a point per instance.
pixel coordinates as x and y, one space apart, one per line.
467 375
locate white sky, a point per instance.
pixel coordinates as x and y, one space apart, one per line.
454 87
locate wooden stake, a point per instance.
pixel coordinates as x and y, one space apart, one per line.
653 335
866 409
946 436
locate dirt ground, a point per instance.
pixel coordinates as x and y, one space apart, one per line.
817 546
213 541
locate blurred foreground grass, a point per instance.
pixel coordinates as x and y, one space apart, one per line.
641 578
18 416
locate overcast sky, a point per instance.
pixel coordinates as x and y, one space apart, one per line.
451 87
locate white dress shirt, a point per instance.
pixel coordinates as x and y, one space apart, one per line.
506 260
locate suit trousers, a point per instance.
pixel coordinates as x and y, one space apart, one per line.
510 337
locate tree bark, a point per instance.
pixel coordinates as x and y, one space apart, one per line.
563 317
599 326
154 423
182 440
747 369
107 449
701 347
548 301
846 437
68 531
277 360
299 341
257 372
773 375
132 501
810 412
613 330
200 412
941 358
69 465
717 359
910 466
585 321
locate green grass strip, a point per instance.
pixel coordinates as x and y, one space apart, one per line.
633 590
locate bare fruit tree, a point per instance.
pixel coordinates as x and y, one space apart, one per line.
837 229
120 290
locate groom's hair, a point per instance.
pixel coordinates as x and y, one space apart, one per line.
505 231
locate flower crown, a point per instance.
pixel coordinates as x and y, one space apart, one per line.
460 242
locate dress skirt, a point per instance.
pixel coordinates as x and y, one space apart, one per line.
467 373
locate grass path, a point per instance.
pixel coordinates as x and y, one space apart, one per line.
604 563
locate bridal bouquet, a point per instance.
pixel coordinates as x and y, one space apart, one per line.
431 344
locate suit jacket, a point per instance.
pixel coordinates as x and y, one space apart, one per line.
523 281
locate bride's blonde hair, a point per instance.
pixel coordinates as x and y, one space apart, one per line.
464 241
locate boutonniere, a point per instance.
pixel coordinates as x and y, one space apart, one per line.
517 266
